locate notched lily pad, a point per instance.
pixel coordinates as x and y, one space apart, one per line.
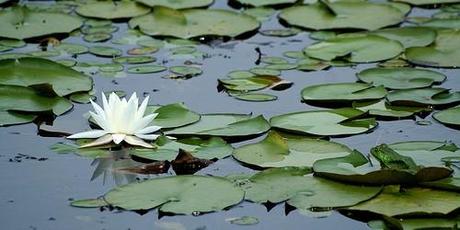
423 97
177 194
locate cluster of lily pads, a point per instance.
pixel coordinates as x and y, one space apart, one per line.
406 185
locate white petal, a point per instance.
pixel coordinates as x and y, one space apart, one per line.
149 129
118 137
147 136
97 108
142 108
88 134
99 120
136 141
143 122
100 141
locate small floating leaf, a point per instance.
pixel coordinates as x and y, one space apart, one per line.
112 10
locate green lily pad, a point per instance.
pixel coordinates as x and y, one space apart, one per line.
187 71
144 69
97 37
409 36
224 125
444 52
194 22
427 2
213 148
442 23
302 190
401 78
94 153
265 71
395 201
335 122
13 43
99 29
238 74
277 151
342 92
134 60
260 13
450 183
274 60
358 48
280 32
395 168
14 99
21 23
105 51
33 71
422 97
177 4
172 115
342 15
174 195
258 97
285 66
89 203
449 116
429 223
257 82
71 48
111 67
112 9
381 108
258 3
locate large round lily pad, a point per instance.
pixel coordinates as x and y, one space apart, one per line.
401 78
172 115
449 116
112 9
394 201
177 194
194 22
177 4
335 122
342 15
33 71
342 92
444 52
358 48
21 23
421 97
224 125
277 151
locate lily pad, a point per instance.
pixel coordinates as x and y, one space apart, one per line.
342 92
134 60
401 78
172 115
395 201
342 15
17 99
427 2
112 9
257 82
177 4
97 37
422 97
21 23
224 125
105 51
258 3
277 151
444 52
177 194
381 108
194 22
335 122
409 36
254 96
89 203
359 48
186 71
213 148
449 116
71 48
144 69
33 71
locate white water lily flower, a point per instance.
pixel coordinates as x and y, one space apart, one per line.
121 120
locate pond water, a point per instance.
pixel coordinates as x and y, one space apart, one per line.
38 184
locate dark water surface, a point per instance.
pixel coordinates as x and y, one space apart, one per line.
35 193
